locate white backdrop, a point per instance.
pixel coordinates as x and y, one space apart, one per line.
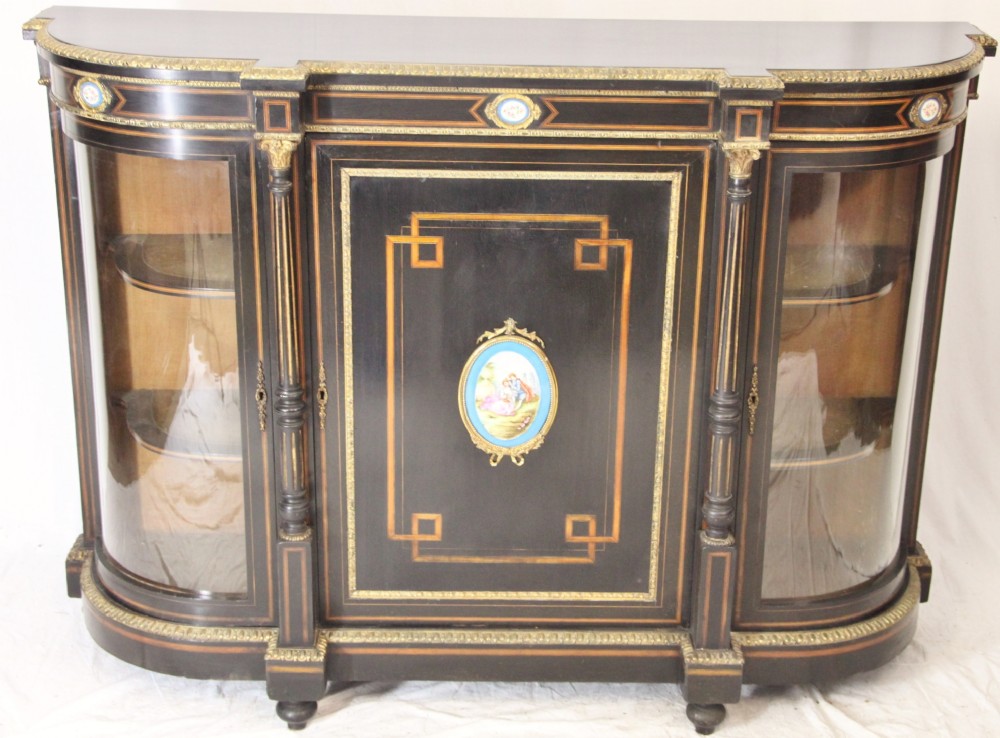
55 681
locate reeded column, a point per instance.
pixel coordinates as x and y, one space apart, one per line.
725 405
713 666
295 663
289 405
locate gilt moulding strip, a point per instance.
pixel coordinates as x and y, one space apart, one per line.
667 638
164 629
870 76
49 43
897 613
776 79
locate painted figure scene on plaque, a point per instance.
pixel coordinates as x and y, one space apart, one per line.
507 395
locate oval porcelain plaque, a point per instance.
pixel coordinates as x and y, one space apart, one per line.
929 110
513 111
507 395
91 94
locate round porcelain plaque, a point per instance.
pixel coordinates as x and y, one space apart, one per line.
91 94
928 111
513 111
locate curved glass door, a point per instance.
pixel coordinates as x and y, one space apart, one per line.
858 245
162 312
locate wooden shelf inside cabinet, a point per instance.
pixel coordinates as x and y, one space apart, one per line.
185 424
853 428
825 276
190 265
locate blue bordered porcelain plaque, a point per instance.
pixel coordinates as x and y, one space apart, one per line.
513 111
91 94
929 110
508 395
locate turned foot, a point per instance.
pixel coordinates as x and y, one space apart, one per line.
296 714
706 717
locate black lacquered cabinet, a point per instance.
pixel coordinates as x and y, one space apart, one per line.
439 361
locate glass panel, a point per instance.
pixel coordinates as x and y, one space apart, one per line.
858 250
162 314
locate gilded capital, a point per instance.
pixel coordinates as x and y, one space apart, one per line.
741 159
279 149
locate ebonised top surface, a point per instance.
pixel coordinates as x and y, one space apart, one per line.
740 48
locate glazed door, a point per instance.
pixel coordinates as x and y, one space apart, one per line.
173 332
507 349
841 353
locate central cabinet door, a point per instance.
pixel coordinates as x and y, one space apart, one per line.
507 379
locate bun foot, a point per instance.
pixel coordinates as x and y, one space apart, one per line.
706 717
296 714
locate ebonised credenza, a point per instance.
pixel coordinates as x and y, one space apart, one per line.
423 348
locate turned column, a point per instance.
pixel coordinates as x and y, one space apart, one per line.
725 405
716 569
289 403
713 665
296 658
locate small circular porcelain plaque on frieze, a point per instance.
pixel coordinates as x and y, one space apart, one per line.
928 110
91 94
513 111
